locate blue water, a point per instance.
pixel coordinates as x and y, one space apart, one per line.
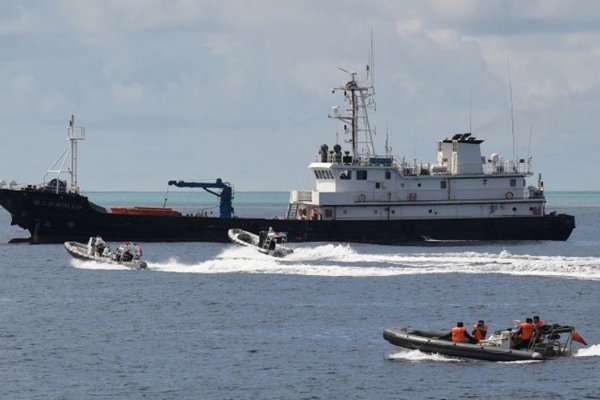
215 321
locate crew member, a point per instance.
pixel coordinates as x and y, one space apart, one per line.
138 252
537 321
272 237
91 246
459 334
525 334
106 252
100 245
127 252
480 330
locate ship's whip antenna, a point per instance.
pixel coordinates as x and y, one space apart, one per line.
529 144
470 109
371 66
512 114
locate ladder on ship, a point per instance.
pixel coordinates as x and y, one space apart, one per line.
293 211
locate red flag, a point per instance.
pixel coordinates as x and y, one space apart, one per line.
576 337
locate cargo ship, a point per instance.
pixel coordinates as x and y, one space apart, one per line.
359 195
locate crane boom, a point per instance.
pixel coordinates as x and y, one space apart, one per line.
226 193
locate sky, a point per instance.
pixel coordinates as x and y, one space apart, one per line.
241 90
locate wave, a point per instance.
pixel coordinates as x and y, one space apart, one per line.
591 351
417 355
345 260
80 264
365 261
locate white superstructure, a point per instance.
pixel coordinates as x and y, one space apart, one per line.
358 184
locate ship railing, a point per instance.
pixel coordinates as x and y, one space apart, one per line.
42 187
522 166
300 196
378 160
533 192
12 185
417 168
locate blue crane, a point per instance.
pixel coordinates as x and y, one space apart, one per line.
226 193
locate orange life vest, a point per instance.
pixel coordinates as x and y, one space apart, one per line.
458 334
527 330
480 332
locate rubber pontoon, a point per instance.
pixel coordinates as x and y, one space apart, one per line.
80 251
547 344
270 245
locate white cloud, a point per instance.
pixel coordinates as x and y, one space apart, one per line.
207 74
409 27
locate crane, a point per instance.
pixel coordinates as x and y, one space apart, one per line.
226 193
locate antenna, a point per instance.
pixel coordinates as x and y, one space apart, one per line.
360 98
529 144
346 71
512 115
470 108
74 134
372 66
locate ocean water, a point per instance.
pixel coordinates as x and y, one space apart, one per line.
216 321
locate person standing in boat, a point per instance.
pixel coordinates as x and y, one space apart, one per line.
127 252
100 246
119 253
91 246
138 252
480 330
272 237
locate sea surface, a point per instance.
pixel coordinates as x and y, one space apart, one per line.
216 321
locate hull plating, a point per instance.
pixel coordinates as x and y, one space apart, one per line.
57 218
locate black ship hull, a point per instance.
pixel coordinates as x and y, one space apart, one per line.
57 218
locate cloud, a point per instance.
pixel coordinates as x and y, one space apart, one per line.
186 80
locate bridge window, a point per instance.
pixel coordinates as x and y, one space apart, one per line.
388 174
513 182
346 174
442 184
361 175
323 174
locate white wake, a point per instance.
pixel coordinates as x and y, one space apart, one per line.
345 260
591 351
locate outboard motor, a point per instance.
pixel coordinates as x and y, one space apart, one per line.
505 337
323 152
